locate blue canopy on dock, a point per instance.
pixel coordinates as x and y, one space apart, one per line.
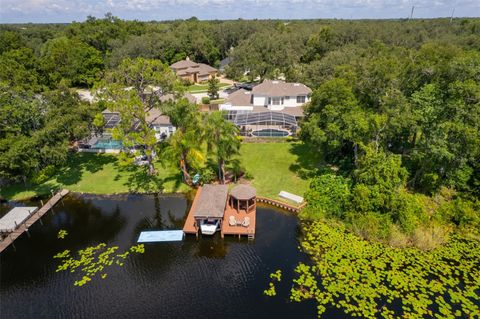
160 236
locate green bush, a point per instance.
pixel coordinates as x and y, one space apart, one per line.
208 175
205 100
43 175
461 212
328 196
408 210
371 226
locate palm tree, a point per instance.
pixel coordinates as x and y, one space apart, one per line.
184 148
221 137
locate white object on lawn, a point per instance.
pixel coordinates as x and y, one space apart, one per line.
292 197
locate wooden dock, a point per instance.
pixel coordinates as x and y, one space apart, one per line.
9 239
191 227
239 230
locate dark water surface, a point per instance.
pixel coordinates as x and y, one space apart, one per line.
206 278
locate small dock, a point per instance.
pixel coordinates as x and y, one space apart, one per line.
32 219
190 226
238 216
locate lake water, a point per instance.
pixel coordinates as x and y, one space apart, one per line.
205 278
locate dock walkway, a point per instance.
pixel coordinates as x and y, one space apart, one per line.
9 239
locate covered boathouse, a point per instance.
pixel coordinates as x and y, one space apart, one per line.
213 209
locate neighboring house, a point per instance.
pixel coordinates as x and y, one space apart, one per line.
161 124
158 121
271 108
278 95
193 72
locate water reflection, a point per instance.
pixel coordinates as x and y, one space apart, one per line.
204 278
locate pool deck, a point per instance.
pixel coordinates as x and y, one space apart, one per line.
190 226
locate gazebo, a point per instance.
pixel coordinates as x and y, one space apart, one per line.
243 197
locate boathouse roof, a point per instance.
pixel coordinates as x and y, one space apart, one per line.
212 201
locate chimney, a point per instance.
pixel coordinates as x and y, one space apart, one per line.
188 59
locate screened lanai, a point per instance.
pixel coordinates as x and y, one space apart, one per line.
264 124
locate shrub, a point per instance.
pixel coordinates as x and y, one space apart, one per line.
408 211
327 196
207 175
371 226
461 212
205 100
43 175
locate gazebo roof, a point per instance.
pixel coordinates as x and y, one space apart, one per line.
243 192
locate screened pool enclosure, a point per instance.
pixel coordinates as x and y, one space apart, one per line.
264 124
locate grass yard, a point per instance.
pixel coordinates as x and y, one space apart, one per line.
200 88
101 174
279 166
273 166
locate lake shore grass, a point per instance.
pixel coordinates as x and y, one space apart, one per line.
273 167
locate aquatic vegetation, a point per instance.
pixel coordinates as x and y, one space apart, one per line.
94 260
62 233
370 280
276 277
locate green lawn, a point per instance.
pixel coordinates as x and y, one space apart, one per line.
101 174
199 88
279 166
273 166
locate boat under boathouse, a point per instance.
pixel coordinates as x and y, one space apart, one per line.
208 208
213 209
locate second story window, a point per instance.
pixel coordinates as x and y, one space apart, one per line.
276 101
301 99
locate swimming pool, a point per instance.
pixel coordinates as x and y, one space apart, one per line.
270 133
105 143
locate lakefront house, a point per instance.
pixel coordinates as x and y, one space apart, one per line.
193 72
270 109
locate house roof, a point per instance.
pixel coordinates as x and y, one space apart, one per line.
240 97
171 97
186 67
243 97
280 88
183 64
189 70
243 192
205 69
155 116
212 201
